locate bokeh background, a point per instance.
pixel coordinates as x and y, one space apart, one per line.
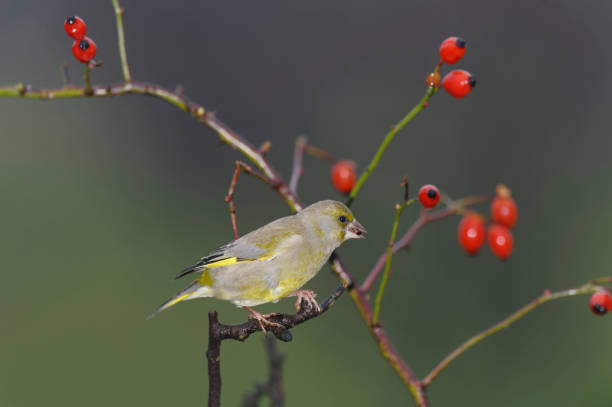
102 201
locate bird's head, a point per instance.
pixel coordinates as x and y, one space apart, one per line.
332 222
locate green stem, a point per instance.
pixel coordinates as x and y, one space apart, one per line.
88 90
381 290
390 135
121 41
547 296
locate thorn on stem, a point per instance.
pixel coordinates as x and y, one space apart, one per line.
265 147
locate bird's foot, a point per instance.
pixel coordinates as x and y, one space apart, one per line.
308 296
262 319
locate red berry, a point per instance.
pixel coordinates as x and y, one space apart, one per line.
429 195
601 302
452 49
471 233
75 27
501 241
504 211
84 50
343 176
458 83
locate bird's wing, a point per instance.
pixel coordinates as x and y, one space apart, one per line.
260 244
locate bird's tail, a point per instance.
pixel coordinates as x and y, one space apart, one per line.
194 290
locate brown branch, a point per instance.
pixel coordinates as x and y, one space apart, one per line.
588 288
213 355
320 153
298 155
274 386
218 332
385 345
425 218
229 198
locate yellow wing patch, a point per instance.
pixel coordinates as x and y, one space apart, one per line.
231 261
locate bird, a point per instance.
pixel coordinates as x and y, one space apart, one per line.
272 262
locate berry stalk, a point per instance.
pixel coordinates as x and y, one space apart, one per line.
390 135
381 290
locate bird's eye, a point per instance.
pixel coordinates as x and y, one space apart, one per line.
342 219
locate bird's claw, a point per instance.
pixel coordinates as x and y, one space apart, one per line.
262 319
308 296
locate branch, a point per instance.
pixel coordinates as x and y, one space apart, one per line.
380 336
588 288
390 135
176 99
213 354
320 153
425 218
229 198
125 67
218 332
274 385
298 155
399 209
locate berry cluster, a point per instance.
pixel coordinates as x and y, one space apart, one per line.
504 214
601 302
457 83
83 48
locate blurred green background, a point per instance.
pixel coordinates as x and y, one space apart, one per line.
104 200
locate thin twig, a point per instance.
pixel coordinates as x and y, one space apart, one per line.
320 153
65 75
298 170
425 218
125 67
588 288
229 198
399 209
383 146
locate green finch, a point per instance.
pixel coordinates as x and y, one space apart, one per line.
272 262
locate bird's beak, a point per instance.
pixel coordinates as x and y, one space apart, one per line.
354 230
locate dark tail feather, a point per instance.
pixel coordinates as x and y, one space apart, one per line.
195 267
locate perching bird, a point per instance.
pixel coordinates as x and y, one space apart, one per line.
272 262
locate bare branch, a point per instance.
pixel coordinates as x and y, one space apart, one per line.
319 153
65 75
218 332
229 198
387 349
588 288
125 67
298 155
425 218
